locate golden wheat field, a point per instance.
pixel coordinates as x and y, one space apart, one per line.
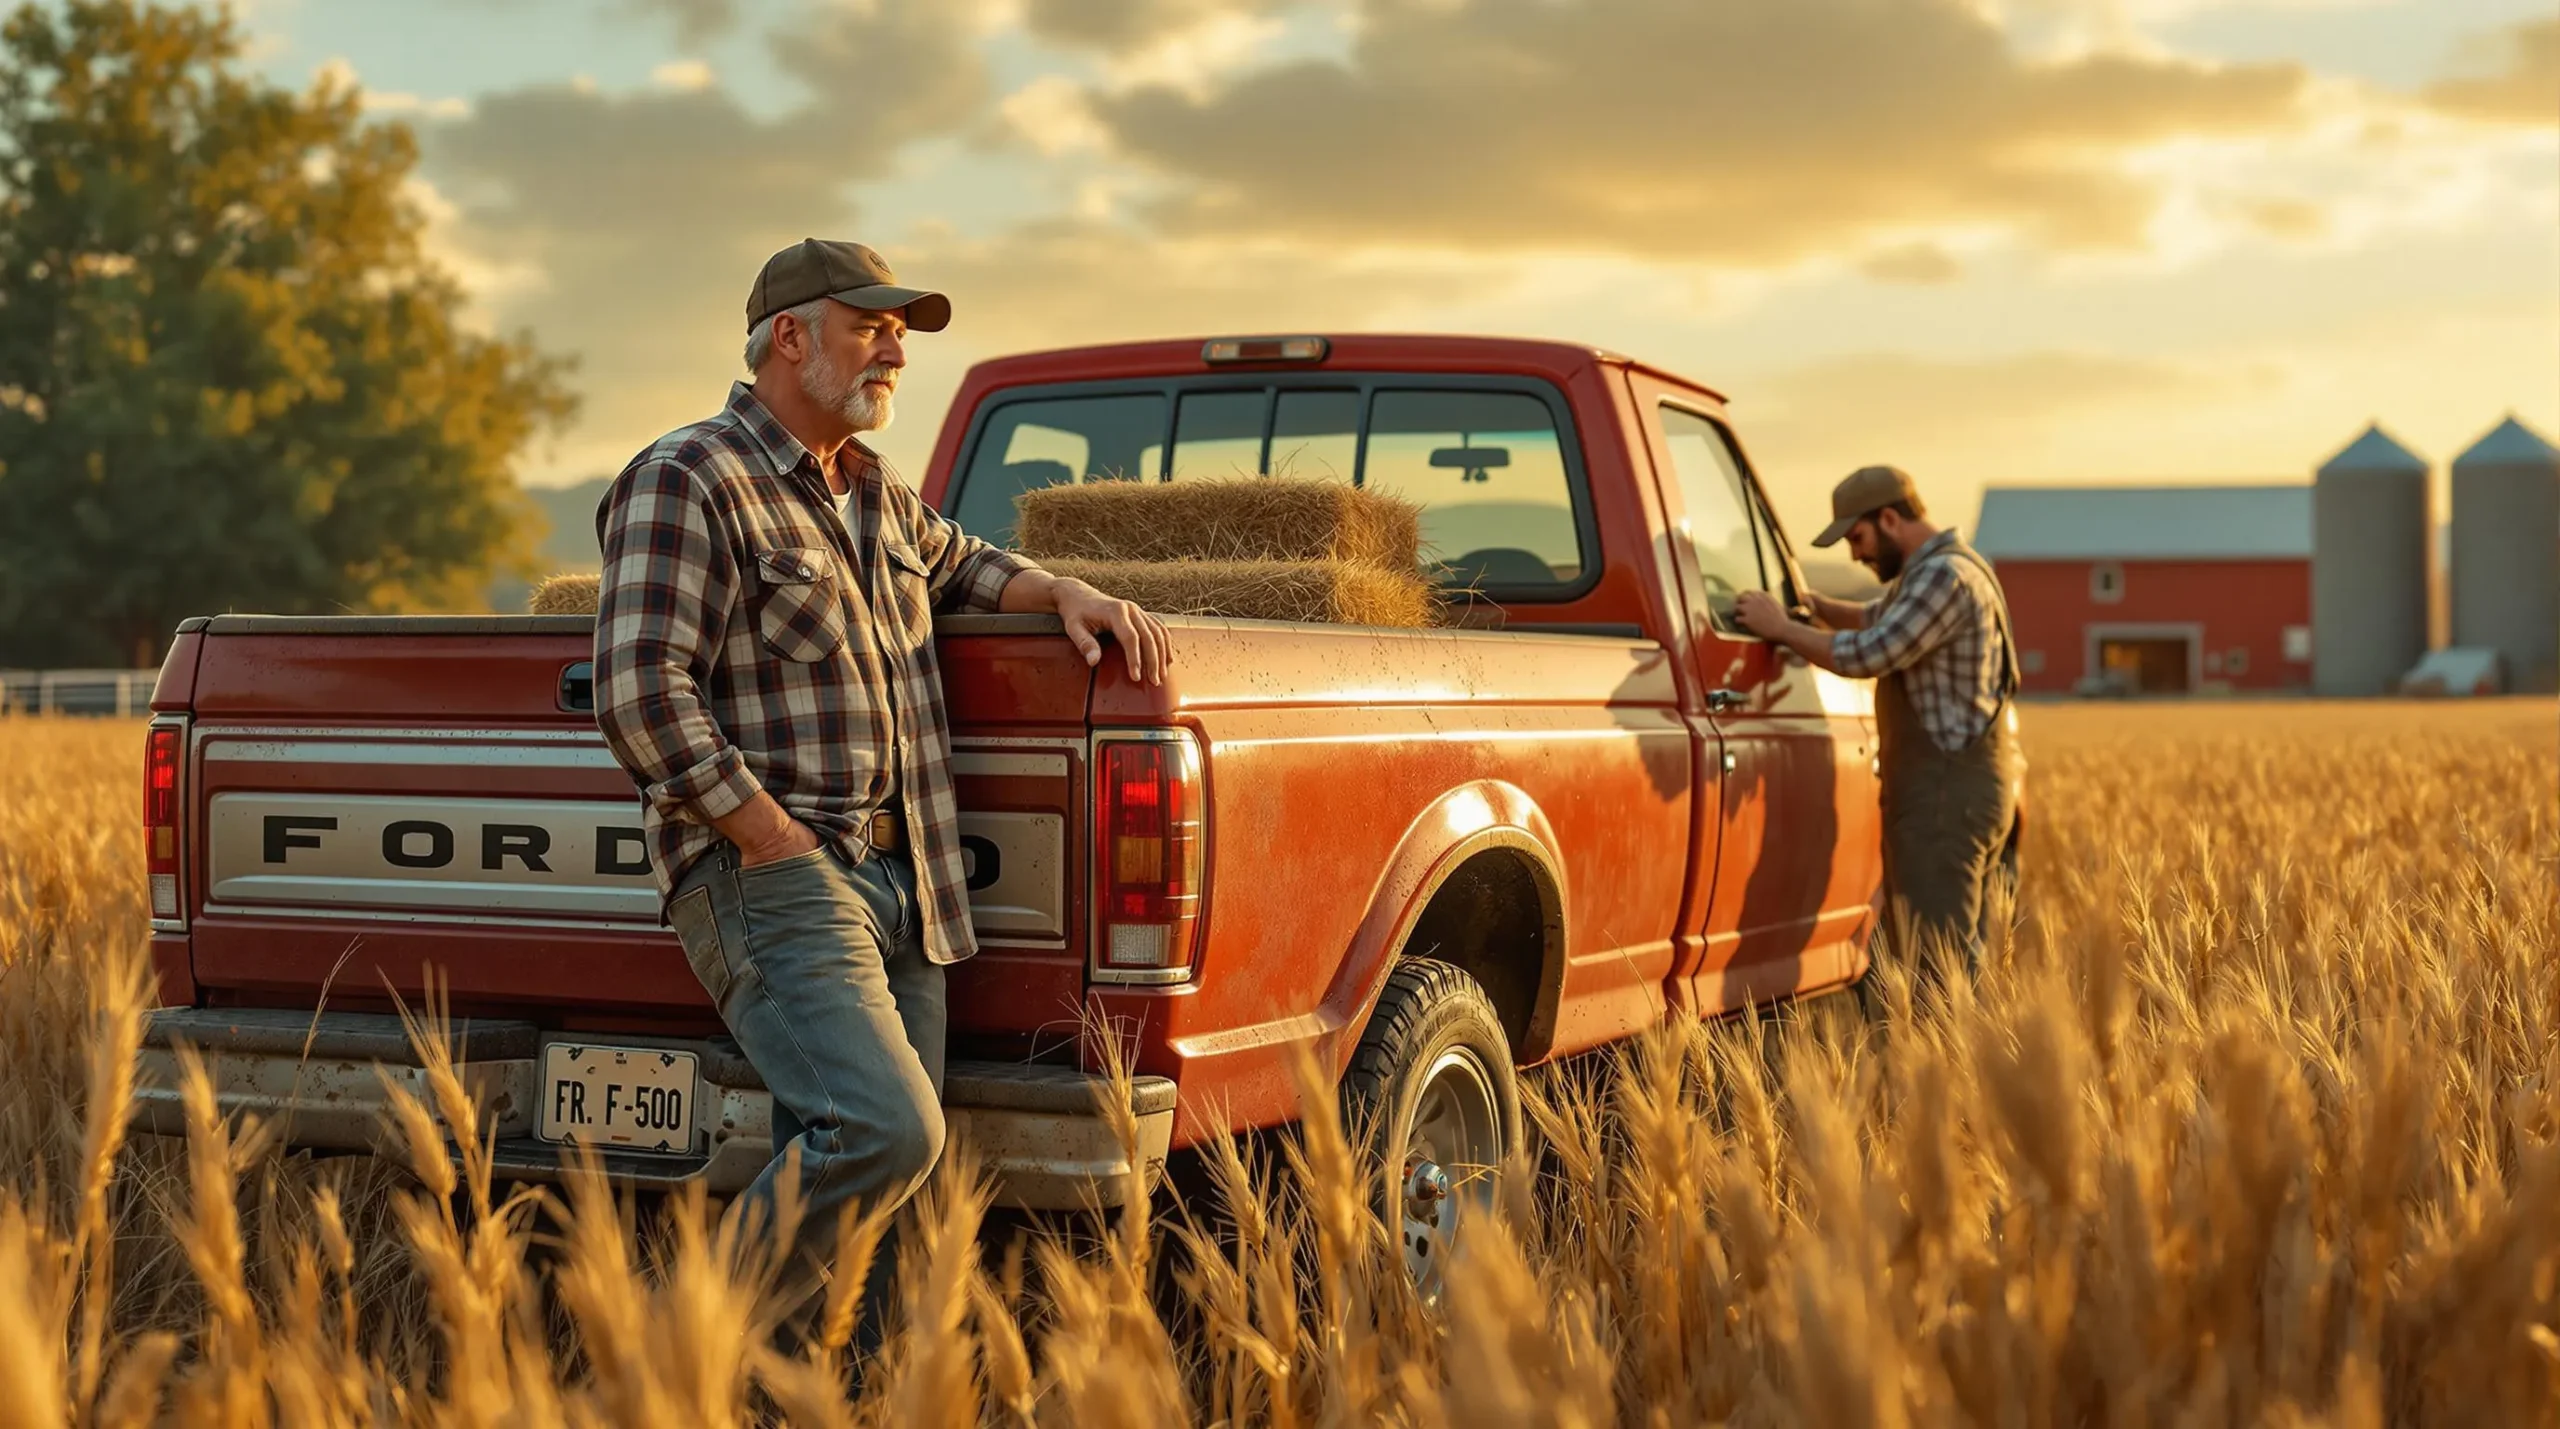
2259 1123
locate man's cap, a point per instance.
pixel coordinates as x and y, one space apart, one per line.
1864 492
815 268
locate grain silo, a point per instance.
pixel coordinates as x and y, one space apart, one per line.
2506 553
2368 566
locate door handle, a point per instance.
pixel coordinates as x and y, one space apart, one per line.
1725 701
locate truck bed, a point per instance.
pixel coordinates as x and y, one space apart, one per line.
317 745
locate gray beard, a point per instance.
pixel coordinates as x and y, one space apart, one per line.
825 385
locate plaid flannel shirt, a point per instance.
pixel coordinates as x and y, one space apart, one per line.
747 639
1944 625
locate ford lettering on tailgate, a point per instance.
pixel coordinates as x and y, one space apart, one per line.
549 857
467 855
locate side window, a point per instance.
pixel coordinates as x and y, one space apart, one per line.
1773 553
1488 471
1028 445
1715 502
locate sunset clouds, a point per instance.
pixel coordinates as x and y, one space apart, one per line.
1987 235
2521 82
1736 133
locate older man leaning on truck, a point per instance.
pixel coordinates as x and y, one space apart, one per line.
1937 643
765 670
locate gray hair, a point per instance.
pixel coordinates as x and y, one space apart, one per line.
812 315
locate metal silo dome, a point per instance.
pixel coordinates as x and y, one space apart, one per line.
2506 553
2368 566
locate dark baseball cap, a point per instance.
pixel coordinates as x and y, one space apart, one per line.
815 268
1865 492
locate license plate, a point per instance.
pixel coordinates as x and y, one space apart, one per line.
626 1098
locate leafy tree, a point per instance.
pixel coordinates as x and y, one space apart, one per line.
230 376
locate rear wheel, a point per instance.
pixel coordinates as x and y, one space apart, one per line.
1432 1085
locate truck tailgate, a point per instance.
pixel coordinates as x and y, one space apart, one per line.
374 797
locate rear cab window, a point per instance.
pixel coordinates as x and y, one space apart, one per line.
1492 462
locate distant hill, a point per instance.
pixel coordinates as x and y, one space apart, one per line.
567 544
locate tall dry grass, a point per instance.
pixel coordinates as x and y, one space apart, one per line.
2259 1123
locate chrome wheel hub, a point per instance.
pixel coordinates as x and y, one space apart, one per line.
1447 1167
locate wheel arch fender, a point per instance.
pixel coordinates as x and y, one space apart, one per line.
1487 825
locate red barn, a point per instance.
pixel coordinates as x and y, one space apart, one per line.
2154 590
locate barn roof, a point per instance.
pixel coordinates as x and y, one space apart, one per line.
2132 523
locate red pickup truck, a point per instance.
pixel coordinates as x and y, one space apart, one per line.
1429 857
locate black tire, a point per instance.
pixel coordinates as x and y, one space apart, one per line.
1433 1035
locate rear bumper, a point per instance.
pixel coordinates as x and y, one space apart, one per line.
1039 1130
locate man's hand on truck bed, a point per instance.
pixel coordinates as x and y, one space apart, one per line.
1086 612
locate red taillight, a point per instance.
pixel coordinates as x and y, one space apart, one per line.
1151 855
163 758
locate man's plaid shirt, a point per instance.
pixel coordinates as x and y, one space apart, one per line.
1945 625
746 639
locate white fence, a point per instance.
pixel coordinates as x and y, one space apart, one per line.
81 692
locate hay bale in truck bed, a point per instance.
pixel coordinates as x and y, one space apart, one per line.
1324 592
569 593
1319 592
1253 519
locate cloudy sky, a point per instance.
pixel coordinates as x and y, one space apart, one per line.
1990 240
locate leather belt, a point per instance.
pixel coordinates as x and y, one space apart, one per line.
886 832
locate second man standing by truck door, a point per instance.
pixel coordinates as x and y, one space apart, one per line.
764 669
1937 643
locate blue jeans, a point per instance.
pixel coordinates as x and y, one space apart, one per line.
819 970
